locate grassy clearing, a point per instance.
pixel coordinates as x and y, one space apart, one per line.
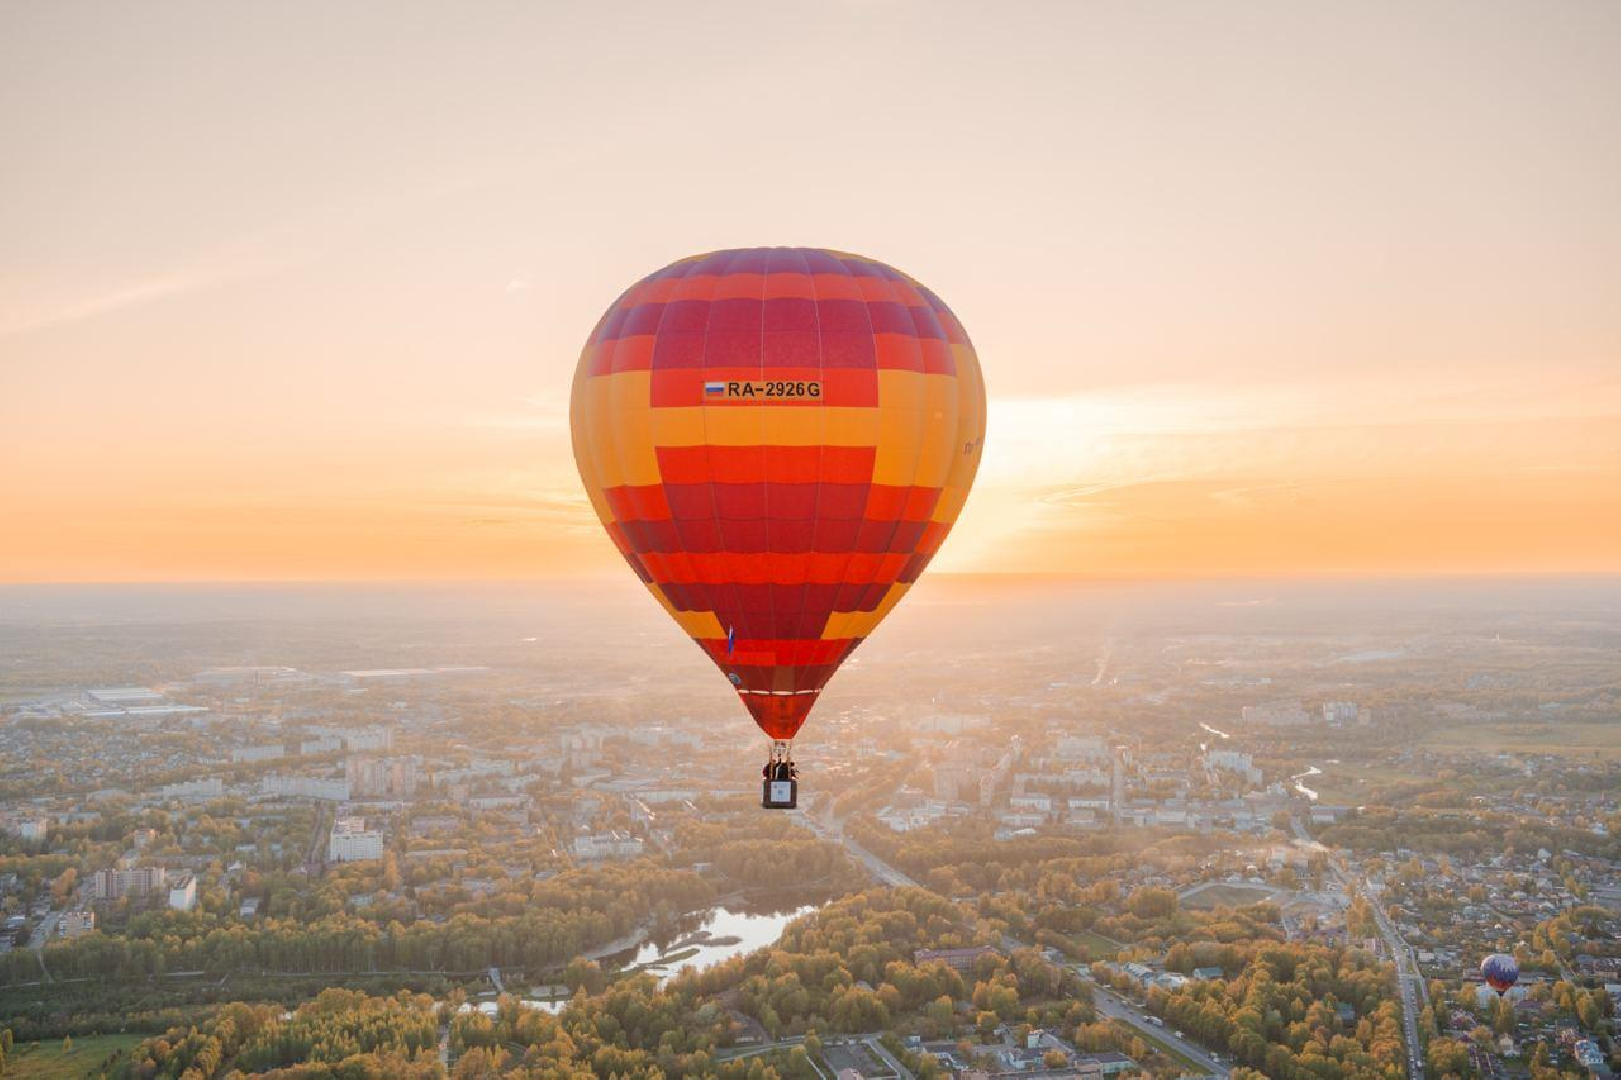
1353 785
1214 896
1096 946
45 1060
1590 741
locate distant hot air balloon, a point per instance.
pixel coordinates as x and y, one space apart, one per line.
1500 971
778 440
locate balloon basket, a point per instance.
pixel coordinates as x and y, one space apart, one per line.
779 795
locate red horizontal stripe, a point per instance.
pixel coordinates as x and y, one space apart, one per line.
783 279
767 503
756 315
762 678
768 568
824 352
744 605
637 502
782 651
709 536
766 464
780 717
778 285
887 502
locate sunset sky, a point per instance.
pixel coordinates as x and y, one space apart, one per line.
294 291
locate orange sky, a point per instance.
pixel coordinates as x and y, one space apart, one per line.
295 292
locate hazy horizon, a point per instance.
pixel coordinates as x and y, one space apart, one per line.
1261 288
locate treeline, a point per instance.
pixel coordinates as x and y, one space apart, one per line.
341 1033
1472 835
634 1030
1278 1013
94 1007
758 853
564 916
969 859
978 860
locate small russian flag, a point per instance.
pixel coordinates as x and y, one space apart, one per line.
714 388
731 639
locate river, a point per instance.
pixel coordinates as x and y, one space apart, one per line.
1311 770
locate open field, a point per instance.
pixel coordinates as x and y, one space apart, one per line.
1353 784
1097 946
45 1060
1589 741
1224 895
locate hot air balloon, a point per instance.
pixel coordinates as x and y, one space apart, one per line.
778 440
1500 971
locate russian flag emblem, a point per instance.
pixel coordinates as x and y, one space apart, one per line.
714 388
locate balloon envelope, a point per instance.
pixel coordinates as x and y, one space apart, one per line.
1500 971
778 440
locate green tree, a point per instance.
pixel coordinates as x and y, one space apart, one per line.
1503 1016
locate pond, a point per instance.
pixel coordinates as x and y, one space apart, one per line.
719 934
703 940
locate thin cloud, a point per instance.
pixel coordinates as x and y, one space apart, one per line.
117 299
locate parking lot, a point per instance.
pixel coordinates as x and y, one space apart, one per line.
855 1056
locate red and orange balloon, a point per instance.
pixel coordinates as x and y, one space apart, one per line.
778 440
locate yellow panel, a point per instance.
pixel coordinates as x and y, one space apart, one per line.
589 477
920 414
970 433
679 427
696 624
950 504
915 390
585 455
624 444
937 445
618 427
860 624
